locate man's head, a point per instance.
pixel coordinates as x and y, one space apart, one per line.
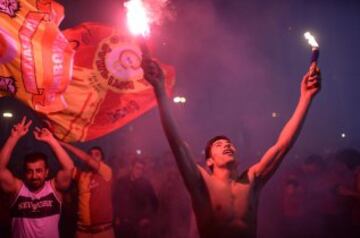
313 164
219 152
137 169
36 170
96 153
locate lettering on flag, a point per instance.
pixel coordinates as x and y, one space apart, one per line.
34 52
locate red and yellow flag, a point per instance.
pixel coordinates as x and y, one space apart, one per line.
87 80
35 57
108 89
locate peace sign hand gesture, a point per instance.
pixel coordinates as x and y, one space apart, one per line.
20 129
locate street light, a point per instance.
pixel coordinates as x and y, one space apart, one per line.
181 100
7 115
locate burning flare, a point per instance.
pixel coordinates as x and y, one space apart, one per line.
137 17
315 47
311 39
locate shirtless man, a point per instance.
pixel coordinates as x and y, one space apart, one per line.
36 200
225 204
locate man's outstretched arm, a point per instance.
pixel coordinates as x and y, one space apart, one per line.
82 155
62 179
271 160
188 169
99 166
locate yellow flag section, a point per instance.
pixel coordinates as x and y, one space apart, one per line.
35 57
108 89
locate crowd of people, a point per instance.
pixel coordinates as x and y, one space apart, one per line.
179 198
318 197
322 195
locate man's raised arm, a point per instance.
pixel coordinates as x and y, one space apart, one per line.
62 179
82 155
8 182
188 169
271 160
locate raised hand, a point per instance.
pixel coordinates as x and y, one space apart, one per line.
311 82
43 134
20 129
152 72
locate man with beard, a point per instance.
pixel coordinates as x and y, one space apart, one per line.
35 200
224 203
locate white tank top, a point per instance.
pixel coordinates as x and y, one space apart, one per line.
36 215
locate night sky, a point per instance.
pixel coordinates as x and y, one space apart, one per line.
237 62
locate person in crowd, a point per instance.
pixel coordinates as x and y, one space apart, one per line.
136 204
35 199
225 204
94 185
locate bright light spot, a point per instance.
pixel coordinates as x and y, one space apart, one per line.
7 115
183 100
179 100
176 99
138 152
137 17
275 114
343 135
311 40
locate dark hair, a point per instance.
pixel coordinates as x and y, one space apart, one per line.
210 143
314 159
99 149
34 157
349 156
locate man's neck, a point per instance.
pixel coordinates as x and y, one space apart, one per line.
224 174
36 190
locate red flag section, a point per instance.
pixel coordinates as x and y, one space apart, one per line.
108 89
35 57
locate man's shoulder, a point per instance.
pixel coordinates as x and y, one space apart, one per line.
244 177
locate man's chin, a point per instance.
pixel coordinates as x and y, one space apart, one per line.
35 185
230 162
227 163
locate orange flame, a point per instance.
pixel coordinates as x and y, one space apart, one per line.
137 17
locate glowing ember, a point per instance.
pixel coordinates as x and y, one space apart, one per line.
137 17
311 40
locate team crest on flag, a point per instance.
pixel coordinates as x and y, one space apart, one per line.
108 89
119 65
9 7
